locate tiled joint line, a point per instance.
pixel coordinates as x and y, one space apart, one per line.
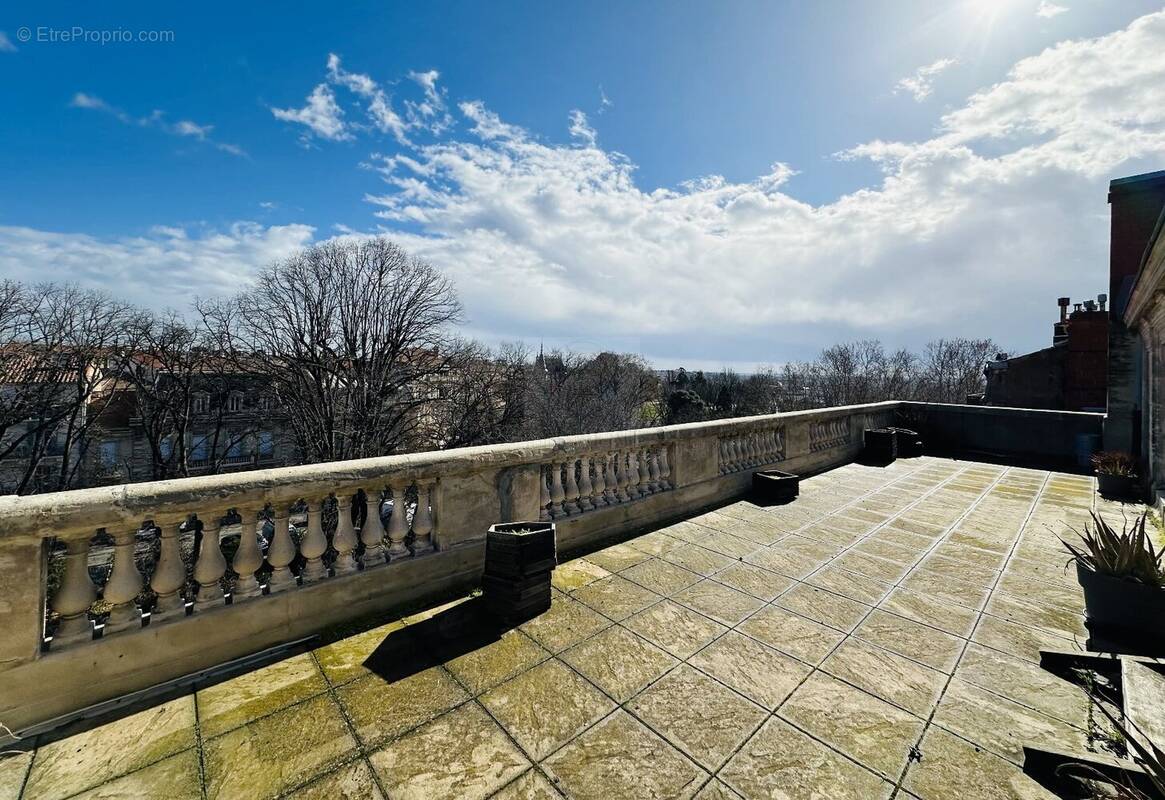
898 786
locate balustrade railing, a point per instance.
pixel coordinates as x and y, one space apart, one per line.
750 450
828 434
574 485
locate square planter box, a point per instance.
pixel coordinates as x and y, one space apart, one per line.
909 443
773 487
881 446
519 557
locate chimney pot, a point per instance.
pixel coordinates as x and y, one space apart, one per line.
1063 304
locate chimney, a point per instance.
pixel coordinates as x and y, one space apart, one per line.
1101 299
1063 304
1136 202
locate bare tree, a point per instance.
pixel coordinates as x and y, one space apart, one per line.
482 397
953 369
348 333
570 393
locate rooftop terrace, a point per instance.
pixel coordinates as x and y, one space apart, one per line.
878 637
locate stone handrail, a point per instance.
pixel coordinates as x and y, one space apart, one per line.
324 544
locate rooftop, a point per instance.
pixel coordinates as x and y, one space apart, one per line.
879 636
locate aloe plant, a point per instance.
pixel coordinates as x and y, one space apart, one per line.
1128 554
1148 756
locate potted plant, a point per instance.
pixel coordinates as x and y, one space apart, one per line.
909 442
1124 586
1116 473
519 557
773 487
881 446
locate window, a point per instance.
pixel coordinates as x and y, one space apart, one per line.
200 403
199 452
166 448
235 451
266 444
264 402
108 454
235 402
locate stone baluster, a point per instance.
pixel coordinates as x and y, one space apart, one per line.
124 584
344 539
585 487
543 495
599 497
610 483
766 447
622 479
75 595
423 519
571 488
398 525
248 558
169 577
724 465
210 566
750 450
557 495
653 470
313 545
280 555
733 455
644 474
664 468
634 492
372 531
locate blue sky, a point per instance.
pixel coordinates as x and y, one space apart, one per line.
899 207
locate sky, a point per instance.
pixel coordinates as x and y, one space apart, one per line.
705 184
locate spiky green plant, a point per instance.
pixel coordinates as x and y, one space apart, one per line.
1114 462
1148 756
1128 554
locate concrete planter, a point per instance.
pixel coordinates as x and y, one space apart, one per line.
1123 616
1120 487
773 487
519 557
909 443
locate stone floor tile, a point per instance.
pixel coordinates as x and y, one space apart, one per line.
984 577
616 597
753 580
1020 640
946 588
545 707
727 544
345 660
576 574
83 760
722 603
703 718
661 577
353 782
566 623
1001 725
791 633
381 709
911 639
853 585
500 660
791 564
532 785
461 755
256 694
173 778
872 566
617 557
1055 620
905 683
716 789
13 771
952 769
953 619
824 607
698 559
891 551
618 662
756 670
621 758
274 754
1026 683
656 543
869 730
782 762
677 629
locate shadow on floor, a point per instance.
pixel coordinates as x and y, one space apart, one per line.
450 633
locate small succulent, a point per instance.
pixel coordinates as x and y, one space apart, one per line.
1114 462
1127 554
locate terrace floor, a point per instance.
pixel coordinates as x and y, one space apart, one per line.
878 637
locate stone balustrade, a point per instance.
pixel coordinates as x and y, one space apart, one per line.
114 589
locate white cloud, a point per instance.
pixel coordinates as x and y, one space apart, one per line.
581 129
921 83
6 45
1047 9
155 119
604 101
167 267
972 231
321 115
